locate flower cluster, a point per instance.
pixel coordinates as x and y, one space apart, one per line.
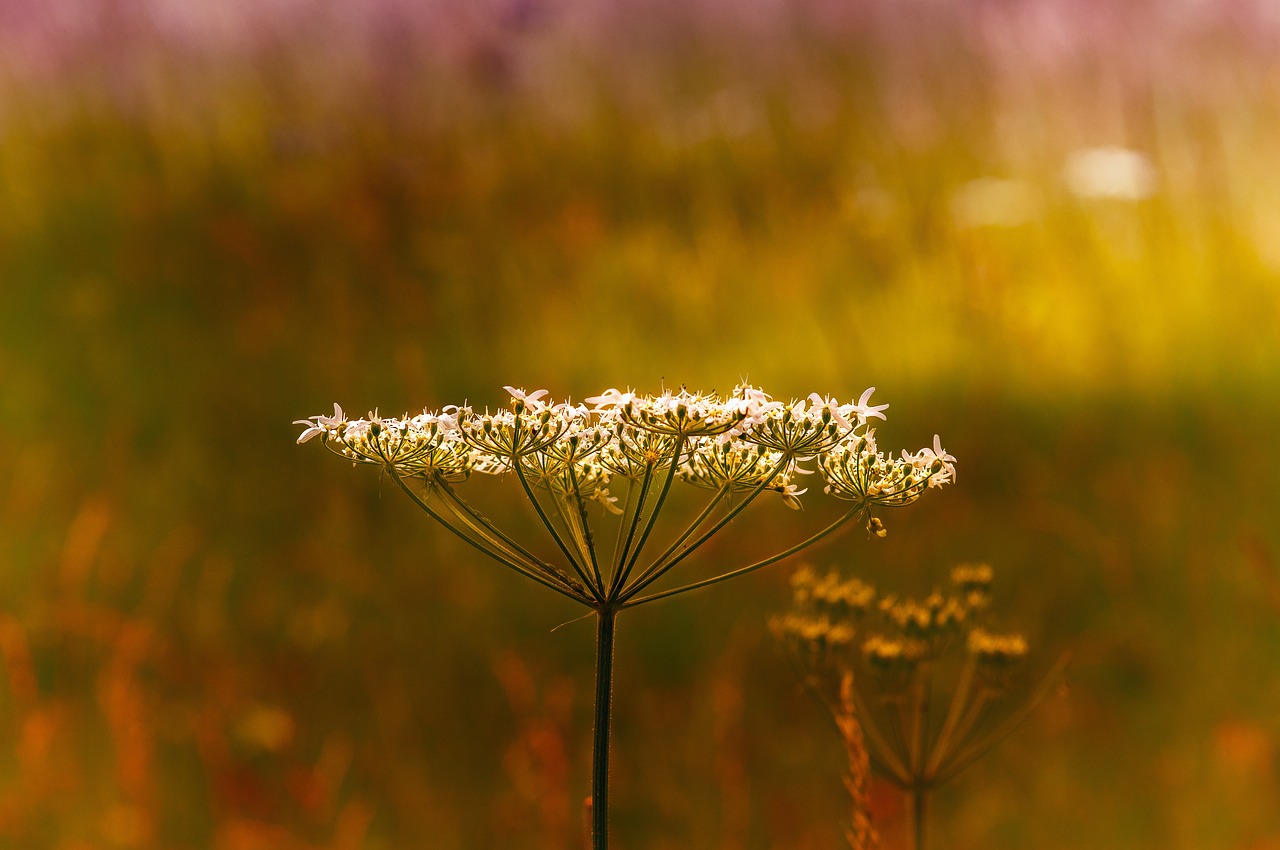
568 455
896 657
905 633
746 442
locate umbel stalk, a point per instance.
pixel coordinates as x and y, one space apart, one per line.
919 816
606 620
565 456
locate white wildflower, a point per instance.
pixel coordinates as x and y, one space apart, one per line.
318 425
865 411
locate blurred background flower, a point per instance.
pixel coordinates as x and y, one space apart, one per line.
217 218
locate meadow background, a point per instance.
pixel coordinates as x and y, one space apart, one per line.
218 218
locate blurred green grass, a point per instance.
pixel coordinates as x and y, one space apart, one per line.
212 638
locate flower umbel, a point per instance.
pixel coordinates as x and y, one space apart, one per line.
924 684
565 454
624 452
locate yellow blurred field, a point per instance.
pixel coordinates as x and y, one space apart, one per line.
213 226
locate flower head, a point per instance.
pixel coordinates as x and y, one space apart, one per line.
520 400
801 429
685 414
865 411
321 425
566 454
856 471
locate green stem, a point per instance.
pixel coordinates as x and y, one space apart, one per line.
600 744
561 504
585 530
657 569
447 489
620 555
629 601
688 532
556 582
551 529
653 514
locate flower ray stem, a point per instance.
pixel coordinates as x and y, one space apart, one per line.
534 569
977 750
481 527
896 729
565 513
607 617
629 601
974 717
653 513
617 543
551 529
585 531
657 569
919 722
881 751
620 557
448 490
959 702
560 502
559 586
496 544
688 532
884 758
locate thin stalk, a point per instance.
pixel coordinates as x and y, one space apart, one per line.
559 586
564 512
897 728
978 749
483 529
546 521
890 764
446 488
979 712
617 543
620 556
919 814
629 601
657 569
959 701
585 531
685 535
653 512
515 457
920 721
607 617
881 751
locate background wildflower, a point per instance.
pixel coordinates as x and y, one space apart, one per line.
929 692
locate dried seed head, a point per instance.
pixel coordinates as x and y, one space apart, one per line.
997 650
894 661
973 582
936 615
830 596
814 638
998 656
